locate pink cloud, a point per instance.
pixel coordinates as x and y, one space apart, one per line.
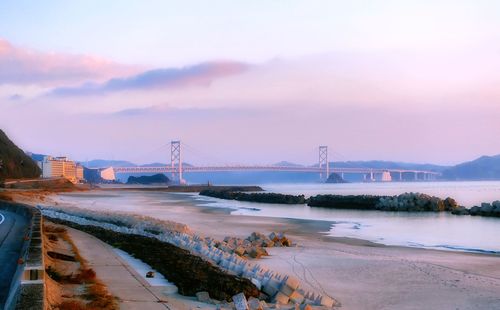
25 66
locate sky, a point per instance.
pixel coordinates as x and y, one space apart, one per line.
252 82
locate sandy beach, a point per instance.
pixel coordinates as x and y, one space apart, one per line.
357 273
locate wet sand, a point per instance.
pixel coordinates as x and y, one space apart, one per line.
358 273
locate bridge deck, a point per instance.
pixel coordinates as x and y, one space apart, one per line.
168 169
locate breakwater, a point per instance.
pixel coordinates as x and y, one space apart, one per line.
254 197
275 287
412 202
406 202
485 209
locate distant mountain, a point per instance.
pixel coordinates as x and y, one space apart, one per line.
287 164
102 163
163 165
380 164
14 163
154 165
483 168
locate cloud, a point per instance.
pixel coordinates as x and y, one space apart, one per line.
197 75
15 97
24 66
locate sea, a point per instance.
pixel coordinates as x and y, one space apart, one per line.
442 231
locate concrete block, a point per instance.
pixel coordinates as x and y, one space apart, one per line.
256 283
326 301
296 297
271 288
285 289
292 282
240 302
254 304
281 298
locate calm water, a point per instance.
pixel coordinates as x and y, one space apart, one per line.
428 230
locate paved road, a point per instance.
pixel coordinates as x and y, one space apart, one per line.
12 227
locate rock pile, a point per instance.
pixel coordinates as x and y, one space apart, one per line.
254 245
416 202
255 197
486 209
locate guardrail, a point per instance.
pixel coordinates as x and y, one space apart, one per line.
27 289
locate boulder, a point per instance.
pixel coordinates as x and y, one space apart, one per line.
257 252
474 210
239 251
486 209
460 211
450 204
203 297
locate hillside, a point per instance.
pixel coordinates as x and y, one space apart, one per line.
483 168
335 178
102 163
14 163
375 164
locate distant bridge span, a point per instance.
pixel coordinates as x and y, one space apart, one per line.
177 168
167 169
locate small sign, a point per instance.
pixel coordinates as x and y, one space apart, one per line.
240 302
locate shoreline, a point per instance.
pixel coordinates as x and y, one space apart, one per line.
359 273
187 200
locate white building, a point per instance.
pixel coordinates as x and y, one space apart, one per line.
108 174
386 176
54 167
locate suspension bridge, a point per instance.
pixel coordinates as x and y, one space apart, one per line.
177 168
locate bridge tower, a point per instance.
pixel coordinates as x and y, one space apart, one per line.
323 161
176 161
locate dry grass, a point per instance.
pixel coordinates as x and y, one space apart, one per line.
99 297
86 275
53 229
96 295
71 305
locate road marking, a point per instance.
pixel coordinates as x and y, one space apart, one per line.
3 218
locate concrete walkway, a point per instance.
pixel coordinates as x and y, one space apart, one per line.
132 291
